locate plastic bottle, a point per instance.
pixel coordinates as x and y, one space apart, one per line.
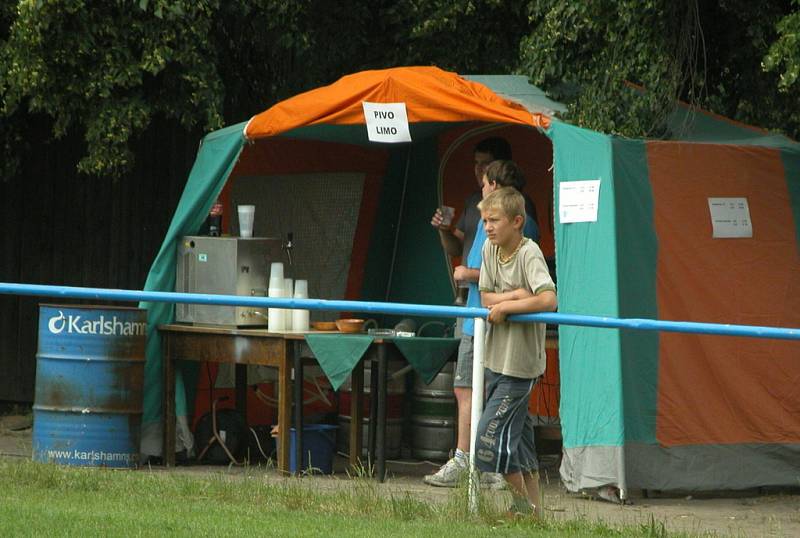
215 219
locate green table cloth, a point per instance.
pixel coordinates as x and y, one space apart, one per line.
338 354
426 355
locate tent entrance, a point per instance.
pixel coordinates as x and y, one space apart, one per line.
360 212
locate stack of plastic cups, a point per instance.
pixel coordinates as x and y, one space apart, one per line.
287 313
300 317
276 323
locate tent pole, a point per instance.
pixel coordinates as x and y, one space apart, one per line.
479 343
397 228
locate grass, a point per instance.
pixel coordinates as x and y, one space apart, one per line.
39 499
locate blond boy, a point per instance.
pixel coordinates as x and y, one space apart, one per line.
513 280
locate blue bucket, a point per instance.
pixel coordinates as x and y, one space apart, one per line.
319 442
87 408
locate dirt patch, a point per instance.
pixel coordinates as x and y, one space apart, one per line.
15 435
725 514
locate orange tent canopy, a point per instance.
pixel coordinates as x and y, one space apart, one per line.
430 95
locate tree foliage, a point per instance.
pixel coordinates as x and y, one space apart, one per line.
734 81
584 52
10 138
110 67
707 53
466 36
784 53
106 70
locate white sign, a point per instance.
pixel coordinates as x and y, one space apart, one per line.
578 201
386 122
730 217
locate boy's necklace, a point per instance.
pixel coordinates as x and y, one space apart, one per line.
505 259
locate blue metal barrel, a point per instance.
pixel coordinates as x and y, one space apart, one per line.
87 407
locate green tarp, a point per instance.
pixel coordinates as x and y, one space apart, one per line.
215 160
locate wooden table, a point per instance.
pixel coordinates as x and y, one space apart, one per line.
253 346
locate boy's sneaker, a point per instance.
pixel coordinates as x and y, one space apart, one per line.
521 508
516 515
493 481
448 475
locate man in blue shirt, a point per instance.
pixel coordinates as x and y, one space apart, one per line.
498 174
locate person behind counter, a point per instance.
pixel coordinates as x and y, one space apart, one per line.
458 240
499 174
514 279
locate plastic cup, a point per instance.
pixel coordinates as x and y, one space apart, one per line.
288 287
246 216
276 318
300 320
287 312
447 214
301 289
276 279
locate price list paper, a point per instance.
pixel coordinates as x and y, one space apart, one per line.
730 218
578 200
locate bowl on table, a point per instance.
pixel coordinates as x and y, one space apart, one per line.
323 325
351 325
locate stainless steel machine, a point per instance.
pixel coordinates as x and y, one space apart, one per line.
226 266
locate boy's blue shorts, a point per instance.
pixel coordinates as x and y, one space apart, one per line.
505 432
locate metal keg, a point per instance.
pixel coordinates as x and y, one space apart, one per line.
395 392
433 416
394 433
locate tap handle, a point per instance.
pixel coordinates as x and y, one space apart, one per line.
288 247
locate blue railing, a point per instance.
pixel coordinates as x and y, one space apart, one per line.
102 294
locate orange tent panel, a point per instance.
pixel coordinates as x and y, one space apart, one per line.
430 94
720 390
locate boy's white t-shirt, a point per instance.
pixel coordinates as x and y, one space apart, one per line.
514 348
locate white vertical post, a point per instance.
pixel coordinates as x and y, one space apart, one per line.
478 349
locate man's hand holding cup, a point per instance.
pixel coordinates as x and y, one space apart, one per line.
443 217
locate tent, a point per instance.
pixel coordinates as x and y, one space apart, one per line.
673 411
637 409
